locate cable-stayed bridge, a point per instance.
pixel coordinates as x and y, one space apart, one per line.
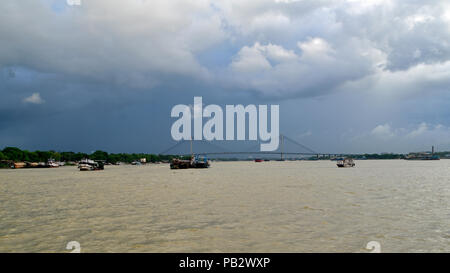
287 147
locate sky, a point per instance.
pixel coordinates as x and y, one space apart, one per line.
350 76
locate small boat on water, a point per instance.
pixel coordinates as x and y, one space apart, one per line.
18 165
258 160
195 162
90 165
345 163
51 163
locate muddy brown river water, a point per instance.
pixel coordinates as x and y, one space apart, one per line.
296 206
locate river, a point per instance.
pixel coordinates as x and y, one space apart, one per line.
291 206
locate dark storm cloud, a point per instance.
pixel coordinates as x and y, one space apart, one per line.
106 74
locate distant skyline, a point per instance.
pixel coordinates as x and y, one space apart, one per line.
350 76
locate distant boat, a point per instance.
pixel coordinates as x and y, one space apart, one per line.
32 164
90 165
258 160
51 163
18 165
346 163
198 162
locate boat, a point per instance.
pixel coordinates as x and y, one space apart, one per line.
90 165
177 163
51 163
32 164
198 162
346 163
258 160
18 165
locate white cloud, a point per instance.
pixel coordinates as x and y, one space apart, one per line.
414 138
35 98
258 57
281 48
269 21
250 59
421 129
309 69
383 131
417 19
315 47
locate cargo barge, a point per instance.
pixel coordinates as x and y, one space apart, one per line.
195 162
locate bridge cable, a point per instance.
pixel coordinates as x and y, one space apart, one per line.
301 145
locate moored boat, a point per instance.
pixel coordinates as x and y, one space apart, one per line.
90 165
51 163
18 165
346 163
195 162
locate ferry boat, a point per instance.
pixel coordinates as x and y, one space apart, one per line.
345 163
195 162
90 165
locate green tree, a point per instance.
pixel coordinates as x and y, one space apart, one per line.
2 156
99 155
13 153
56 156
43 155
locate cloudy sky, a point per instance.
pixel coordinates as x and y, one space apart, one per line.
349 75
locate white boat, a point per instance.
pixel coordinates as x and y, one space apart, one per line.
90 165
345 163
51 163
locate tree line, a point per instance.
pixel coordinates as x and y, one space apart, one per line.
18 155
